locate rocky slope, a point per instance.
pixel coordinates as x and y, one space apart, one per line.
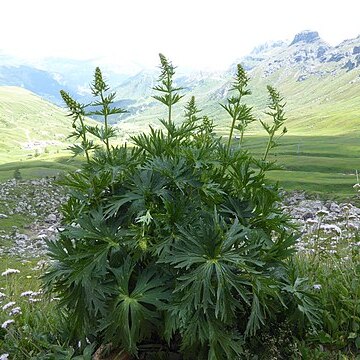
37 203
34 207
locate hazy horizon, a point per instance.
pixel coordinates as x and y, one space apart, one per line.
193 34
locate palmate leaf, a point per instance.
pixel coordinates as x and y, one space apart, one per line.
266 299
101 132
86 145
145 186
173 172
80 281
216 342
135 310
214 264
228 109
224 344
85 250
153 143
114 206
303 300
92 229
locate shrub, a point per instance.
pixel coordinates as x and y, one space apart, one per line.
176 243
17 174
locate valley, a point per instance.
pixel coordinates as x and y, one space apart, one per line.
320 85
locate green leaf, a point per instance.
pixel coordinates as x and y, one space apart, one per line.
134 312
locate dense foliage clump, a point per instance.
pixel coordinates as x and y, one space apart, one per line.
175 244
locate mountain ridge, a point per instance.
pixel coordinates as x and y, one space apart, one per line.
316 79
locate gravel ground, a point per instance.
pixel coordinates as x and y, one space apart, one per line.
37 202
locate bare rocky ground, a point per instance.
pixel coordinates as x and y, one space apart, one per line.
29 214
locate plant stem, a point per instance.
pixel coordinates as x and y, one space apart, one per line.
106 140
241 138
233 123
268 147
170 97
84 138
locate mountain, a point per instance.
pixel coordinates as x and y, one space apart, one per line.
78 74
320 84
38 81
48 76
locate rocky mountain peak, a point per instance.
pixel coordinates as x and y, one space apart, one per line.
265 47
306 36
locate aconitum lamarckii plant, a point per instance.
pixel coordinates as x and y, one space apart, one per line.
176 243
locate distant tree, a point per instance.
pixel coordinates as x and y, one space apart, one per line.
17 174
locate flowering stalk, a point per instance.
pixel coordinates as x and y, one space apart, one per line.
170 97
240 113
276 111
77 112
99 89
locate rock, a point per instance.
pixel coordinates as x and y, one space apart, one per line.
22 237
356 50
334 207
308 215
306 36
51 218
336 57
349 65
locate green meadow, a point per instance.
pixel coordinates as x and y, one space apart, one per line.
319 154
33 169
325 165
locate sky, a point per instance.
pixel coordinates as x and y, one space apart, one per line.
199 34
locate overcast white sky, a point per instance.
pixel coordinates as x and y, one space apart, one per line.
192 33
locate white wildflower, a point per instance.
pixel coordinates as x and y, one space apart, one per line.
27 293
15 311
36 293
32 300
41 264
356 186
6 323
2 295
322 212
10 271
4 357
8 305
317 286
331 228
351 225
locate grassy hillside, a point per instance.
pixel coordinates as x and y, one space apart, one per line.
325 165
29 125
33 133
320 153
